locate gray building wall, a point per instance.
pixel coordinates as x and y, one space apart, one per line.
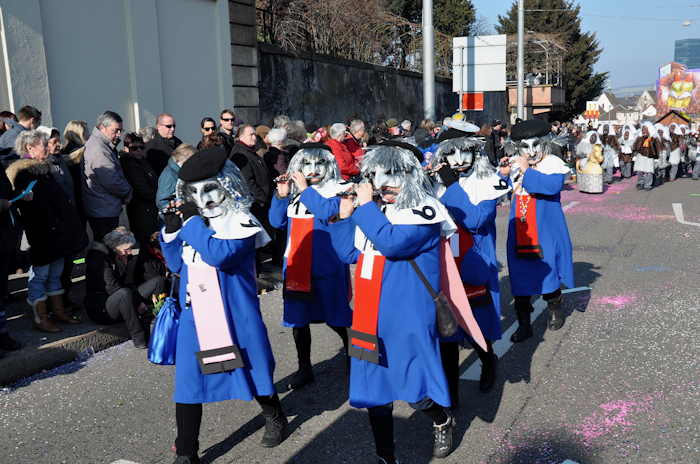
323 90
687 52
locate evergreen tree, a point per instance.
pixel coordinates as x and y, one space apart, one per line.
582 49
451 17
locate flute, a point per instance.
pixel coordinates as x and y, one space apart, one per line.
286 178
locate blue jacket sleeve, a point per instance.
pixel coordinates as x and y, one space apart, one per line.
166 188
223 254
471 217
322 208
172 252
343 239
394 241
544 184
278 212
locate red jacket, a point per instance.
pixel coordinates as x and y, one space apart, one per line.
346 162
355 148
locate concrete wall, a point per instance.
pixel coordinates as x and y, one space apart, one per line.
244 59
323 90
73 59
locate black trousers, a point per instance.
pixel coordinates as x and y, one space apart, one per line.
122 304
102 226
524 302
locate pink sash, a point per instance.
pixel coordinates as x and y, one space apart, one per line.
218 352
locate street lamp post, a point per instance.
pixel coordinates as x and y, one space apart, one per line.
521 58
428 61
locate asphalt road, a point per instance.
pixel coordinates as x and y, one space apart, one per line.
618 384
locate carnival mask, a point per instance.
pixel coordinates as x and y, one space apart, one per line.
209 196
532 149
314 169
459 153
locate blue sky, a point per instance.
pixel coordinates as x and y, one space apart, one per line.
637 36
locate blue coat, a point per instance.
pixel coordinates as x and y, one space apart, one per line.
330 277
480 265
234 261
409 340
539 276
166 183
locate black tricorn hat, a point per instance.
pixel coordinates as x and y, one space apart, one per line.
406 146
529 129
202 165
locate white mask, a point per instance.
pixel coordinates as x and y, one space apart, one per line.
209 196
314 168
460 160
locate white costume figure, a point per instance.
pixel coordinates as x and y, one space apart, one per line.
626 142
662 163
646 150
590 153
611 149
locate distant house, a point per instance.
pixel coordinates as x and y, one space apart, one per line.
673 117
626 110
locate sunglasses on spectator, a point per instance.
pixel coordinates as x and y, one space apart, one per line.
169 126
227 119
208 129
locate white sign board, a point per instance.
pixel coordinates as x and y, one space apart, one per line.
479 63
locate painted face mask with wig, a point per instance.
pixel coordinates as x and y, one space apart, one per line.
396 176
218 197
460 153
317 164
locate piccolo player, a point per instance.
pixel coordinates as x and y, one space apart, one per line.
539 248
394 342
316 282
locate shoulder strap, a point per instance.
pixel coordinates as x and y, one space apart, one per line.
423 279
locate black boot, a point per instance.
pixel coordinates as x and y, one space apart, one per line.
275 421
489 363
305 374
449 352
523 308
381 421
442 438
187 460
556 313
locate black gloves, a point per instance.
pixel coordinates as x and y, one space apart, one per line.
447 175
173 221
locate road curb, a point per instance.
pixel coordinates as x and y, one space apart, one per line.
33 360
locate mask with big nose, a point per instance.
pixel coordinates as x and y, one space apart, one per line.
209 196
314 169
531 148
388 182
460 160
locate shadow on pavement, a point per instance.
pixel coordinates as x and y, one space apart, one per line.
327 393
548 447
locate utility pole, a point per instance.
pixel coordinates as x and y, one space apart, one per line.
428 61
521 58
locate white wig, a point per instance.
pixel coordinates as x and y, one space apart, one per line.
313 154
585 147
664 129
401 162
650 127
231 180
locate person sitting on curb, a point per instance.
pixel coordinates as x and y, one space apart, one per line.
113 291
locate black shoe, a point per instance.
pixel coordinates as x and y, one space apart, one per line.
488 373
442 438
139 343
275 430
387 460
187 460
301 378
556 316
8 343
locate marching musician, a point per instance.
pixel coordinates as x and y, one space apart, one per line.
470 188
539 248
316 282
394 343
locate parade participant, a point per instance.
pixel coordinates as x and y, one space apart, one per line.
678 147
393 235
470 189
686 142
539 248
223 351
646 149
611 151
589 176
316 282
626 143
661 165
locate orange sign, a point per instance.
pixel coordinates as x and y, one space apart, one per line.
473 101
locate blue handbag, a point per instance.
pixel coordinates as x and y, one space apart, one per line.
163 342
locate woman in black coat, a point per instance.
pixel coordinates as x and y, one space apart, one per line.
141 210
52 226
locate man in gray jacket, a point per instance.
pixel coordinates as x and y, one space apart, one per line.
105 189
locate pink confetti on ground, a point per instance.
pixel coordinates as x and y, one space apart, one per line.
615 416
619 302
